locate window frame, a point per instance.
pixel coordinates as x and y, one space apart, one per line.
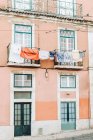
62 36
22 93
65 8
68 81
22 32
23 86
30 5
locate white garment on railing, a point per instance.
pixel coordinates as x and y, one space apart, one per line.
43 55
14 55
76 56
68 57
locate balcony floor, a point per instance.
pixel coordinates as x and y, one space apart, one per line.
22 65
68 67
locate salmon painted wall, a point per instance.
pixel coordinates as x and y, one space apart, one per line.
46 37
5 38
84 95
4 96
46 95
87 6
44 32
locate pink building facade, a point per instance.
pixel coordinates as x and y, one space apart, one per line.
45 96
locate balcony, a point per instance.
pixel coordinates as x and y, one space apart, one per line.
69 62
56 8
24 63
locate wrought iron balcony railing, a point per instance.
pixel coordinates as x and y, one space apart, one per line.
53 7
25 63
66 60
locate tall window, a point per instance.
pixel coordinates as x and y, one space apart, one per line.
66 7
23 35
67 40
67 81
23 4
23 80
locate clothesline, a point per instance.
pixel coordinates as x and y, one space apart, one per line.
18 54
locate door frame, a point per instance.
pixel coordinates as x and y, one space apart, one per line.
12 100
67 102
22 118
74 99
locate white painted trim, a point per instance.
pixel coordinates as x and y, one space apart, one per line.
90 48
12 100
67 89
76 40
70 99
58 96
12 34
77 99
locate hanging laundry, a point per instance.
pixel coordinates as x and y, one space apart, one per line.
51 55
43 55
59 57
82 54
28 53
68 57
14 55
76 56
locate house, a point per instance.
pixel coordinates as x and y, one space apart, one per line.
44 96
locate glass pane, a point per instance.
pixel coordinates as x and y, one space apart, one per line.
22 28
63 81
18 77
28 117
28 122
15 117
25 117
27 40
19 112
15 122
23 80
27 83
18 122
18 38
19 117
27 77
19 106
18 83
22 95
72 81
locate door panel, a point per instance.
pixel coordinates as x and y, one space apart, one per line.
22 119
68 115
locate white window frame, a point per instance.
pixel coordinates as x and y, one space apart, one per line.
31 6
22 81
58 8
68 81
69 30
26 24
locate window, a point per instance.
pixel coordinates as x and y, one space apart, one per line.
67 81
22 80
68 112
22 94
23 35
23 4
66 7
67 40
